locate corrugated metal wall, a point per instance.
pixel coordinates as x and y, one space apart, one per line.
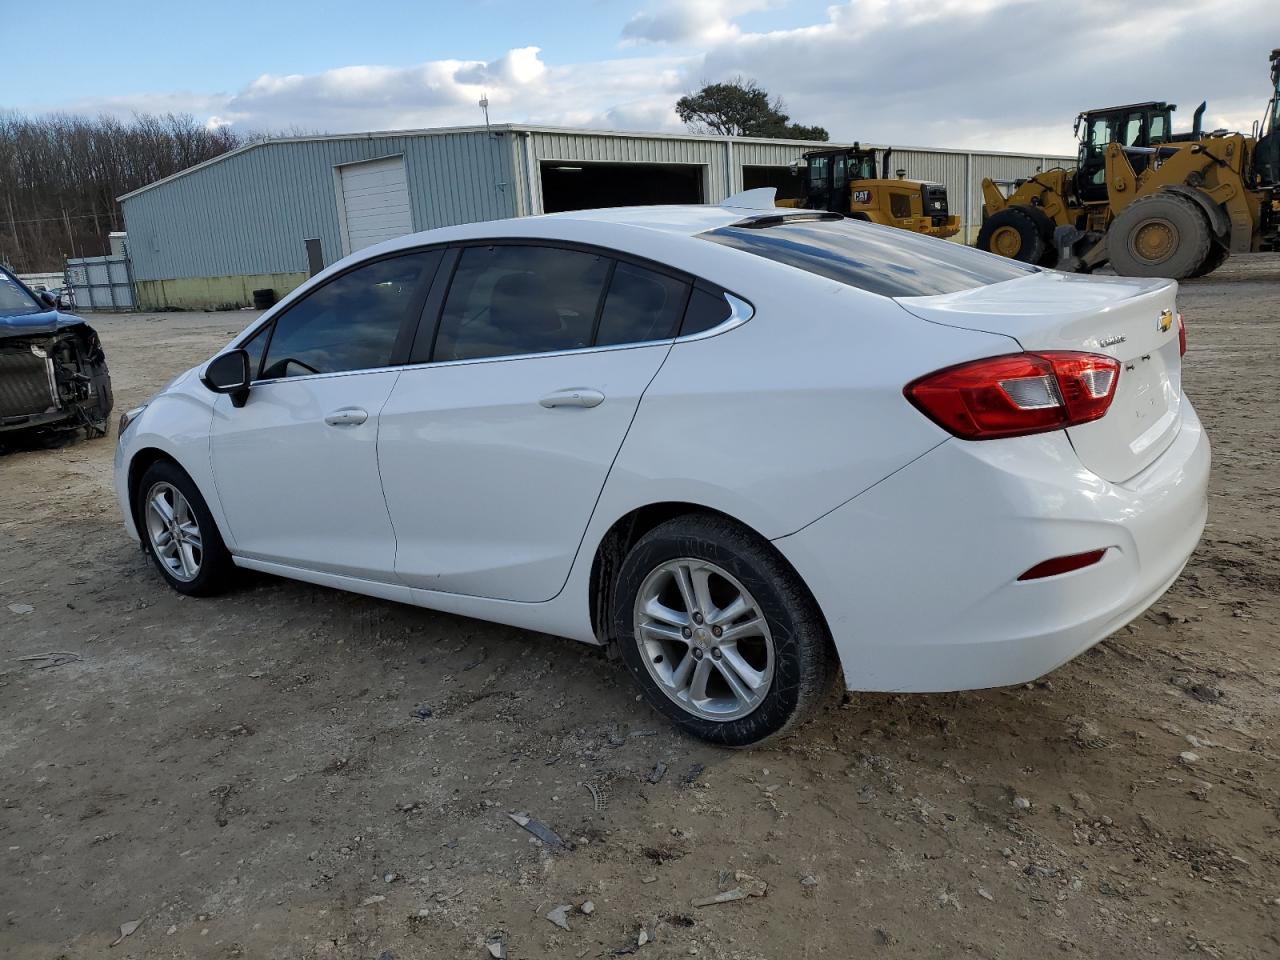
251 212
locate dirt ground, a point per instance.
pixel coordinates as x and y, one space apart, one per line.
290 771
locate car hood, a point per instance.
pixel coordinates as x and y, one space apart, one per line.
48 321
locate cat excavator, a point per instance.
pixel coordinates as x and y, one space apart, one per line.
844 180
1150 202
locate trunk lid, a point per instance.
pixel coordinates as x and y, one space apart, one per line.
1120 317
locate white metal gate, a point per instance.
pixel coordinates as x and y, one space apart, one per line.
101 283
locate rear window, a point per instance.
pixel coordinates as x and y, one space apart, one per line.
883 260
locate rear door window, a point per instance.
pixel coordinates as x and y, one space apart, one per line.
641 305
883 260
511 300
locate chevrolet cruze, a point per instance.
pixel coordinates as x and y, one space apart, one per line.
751 448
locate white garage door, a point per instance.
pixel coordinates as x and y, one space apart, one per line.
375 202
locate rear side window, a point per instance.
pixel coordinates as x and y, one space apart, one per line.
641 305
883 260
705 310
351 322
520 299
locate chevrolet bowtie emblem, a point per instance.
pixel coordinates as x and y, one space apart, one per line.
1166 321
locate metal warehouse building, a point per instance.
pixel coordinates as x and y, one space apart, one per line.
210 235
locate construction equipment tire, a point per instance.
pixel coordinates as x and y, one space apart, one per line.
1161 235
1218 254
1012 233
1044 223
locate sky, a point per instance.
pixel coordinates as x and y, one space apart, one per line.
976 74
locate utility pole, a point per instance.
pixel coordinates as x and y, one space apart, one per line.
70 236
13 228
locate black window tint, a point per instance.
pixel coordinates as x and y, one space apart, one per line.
254 346
641 305
350 323
883 260
510 300
705 310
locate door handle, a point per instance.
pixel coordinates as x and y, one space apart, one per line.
573 397
347 417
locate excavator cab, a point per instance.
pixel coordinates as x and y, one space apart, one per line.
829 173
1266 155
1140 126
846 181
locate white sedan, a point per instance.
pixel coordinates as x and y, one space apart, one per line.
749 447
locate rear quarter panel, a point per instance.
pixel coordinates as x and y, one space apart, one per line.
795 412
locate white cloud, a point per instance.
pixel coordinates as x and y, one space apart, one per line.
980 74
689 21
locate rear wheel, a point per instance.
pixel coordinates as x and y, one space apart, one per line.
719 632
179 534
1161 235
1012 233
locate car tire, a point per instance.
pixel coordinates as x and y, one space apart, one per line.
773 672
198 564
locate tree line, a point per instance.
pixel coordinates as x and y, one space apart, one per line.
60 176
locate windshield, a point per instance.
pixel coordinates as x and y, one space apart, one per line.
862 167
15 301
883 260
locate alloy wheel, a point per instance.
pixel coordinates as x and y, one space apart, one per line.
704 639
174 532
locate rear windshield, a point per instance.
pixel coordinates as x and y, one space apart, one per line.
883 260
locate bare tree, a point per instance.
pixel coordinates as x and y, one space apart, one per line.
60 176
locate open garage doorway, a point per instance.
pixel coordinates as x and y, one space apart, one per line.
582 186
790 186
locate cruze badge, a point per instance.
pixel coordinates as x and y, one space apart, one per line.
1110 341
1165 321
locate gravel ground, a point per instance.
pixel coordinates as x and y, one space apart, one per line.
293 772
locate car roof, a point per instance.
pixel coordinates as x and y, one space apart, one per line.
678 220
683 219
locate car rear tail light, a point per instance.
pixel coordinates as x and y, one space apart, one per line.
1051 568
1182 337
1017 394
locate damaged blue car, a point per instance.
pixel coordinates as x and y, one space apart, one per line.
53 372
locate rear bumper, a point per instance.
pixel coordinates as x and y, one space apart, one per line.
917 577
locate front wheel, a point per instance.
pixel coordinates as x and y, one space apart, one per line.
179 534
719 632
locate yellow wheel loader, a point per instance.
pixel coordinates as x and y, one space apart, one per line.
1150 202
844 181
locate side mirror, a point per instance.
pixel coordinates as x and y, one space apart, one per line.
48 299
229 373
